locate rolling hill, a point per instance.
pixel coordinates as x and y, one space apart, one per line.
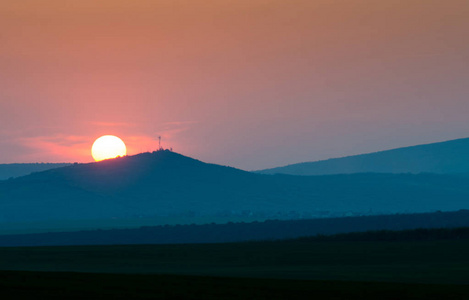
442 158
165 183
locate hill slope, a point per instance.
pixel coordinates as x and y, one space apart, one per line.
165 183
446 157
16 170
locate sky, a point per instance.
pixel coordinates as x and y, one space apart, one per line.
249 84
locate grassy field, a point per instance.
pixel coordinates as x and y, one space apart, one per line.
52 285
430 262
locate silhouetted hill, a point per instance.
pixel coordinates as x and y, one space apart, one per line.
165 183
16 170
446 157
387 227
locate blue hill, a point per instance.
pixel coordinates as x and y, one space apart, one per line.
165 183
442 158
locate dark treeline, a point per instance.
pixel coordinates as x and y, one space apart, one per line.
268 230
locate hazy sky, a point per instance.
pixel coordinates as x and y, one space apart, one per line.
251 84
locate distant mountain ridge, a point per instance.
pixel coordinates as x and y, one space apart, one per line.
16 170
165 183
441 158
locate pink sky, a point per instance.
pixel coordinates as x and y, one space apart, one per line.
251 84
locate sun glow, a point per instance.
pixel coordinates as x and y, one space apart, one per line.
108 146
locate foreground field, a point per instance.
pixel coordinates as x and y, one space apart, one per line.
51 285
434 261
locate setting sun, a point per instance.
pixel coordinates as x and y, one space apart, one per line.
108 146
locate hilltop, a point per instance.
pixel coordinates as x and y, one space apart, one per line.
442 158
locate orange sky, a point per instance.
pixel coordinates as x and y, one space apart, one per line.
251 84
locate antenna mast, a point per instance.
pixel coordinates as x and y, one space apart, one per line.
159 142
